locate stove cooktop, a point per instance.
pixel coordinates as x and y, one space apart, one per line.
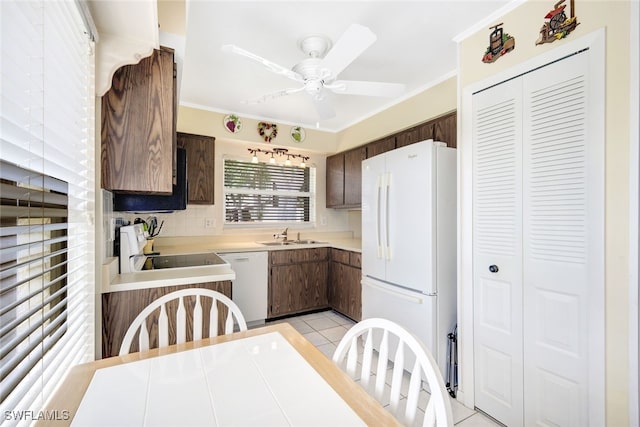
180 261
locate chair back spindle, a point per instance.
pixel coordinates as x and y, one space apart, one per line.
389 336
139 324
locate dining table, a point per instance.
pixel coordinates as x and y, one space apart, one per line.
267 376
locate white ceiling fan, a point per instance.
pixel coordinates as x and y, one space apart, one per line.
320 69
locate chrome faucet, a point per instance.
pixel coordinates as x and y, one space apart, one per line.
283 235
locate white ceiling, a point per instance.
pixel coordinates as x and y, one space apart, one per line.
414 46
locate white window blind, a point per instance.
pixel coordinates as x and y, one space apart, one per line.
47 277
268 193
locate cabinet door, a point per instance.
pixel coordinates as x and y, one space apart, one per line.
337 297
315 294
381 146
335 180
119 309
445 130
353 277
353 176
418 133
200 167
296 288
138 137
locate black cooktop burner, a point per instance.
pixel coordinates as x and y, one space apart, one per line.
179 261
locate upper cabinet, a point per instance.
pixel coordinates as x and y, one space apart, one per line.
440 129
139 126
344 170
200 167
381 146
415 134
344 178
445 129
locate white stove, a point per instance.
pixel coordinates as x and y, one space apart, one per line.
133 239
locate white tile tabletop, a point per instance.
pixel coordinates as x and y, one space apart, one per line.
255 380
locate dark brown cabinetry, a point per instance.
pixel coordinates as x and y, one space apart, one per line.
344 170
344 178
445 129
381 146
335 180
345 290
200 167
297 280
120 308
415 134
138 126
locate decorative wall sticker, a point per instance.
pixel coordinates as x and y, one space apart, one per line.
268 131
297 134
232 123
500 43
558 25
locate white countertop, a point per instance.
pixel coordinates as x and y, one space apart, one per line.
114 282
172 246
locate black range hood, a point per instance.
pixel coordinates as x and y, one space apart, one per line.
177 201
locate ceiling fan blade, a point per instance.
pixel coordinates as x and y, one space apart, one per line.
324 108
273 95
271 66
354 87
349 46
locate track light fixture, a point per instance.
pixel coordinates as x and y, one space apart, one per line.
279 152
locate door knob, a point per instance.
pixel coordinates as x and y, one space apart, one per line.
493 268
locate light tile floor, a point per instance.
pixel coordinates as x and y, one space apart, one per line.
325 330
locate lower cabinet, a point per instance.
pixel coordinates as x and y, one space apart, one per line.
297 281
345 289
120 308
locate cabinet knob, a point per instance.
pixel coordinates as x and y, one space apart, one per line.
494 268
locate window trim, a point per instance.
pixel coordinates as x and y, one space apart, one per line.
312 194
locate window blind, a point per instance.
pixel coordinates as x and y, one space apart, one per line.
268 193
47 276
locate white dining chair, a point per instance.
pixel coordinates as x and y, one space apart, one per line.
390 338
140 322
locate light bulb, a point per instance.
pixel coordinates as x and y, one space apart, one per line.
287 162
254 159
272 160
302 164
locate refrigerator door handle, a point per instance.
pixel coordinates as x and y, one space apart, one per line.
386 216
378 214
401 295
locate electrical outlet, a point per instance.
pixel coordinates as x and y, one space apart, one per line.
323 220
209 223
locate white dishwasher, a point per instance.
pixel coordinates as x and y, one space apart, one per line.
249 289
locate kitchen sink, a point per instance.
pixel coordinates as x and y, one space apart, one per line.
278 243
289 242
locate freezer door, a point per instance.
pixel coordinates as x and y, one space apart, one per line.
414 311
411 221
373 217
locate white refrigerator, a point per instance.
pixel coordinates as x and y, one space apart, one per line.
409 241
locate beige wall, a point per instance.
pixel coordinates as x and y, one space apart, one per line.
210 123
191 222
524 23
433 102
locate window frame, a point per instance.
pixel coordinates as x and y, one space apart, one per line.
311 194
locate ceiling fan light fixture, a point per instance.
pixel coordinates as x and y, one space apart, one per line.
314 45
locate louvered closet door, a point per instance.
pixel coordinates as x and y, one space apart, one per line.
562 241
497 251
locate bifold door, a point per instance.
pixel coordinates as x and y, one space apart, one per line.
539 246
